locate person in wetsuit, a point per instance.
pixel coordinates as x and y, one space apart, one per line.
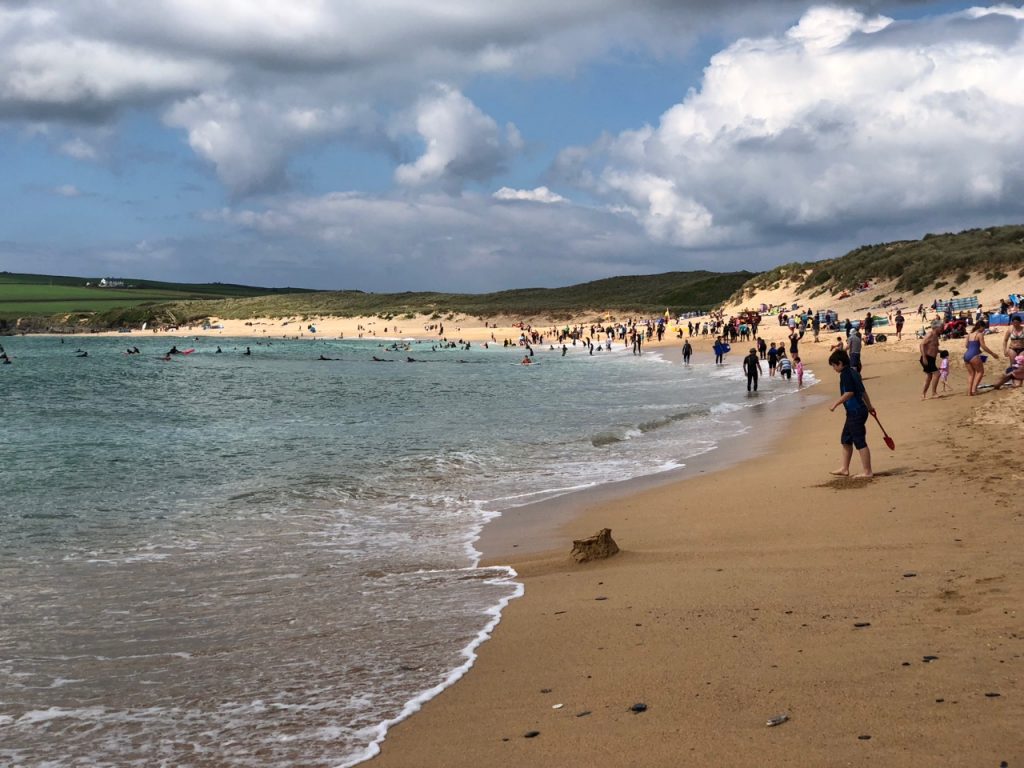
752 367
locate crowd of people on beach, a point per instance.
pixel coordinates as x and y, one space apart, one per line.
935 361
778 358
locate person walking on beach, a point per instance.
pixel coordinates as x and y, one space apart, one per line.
752 368
944 368
929 349
854 399
773 359
973 358
899 324
687 351
854 348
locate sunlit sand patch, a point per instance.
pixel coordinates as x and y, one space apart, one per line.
1002 408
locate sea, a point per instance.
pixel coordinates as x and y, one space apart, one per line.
266 560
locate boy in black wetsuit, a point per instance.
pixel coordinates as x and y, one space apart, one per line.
752 367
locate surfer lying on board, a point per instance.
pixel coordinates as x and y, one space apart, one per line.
526 361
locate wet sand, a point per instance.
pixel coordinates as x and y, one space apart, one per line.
884 617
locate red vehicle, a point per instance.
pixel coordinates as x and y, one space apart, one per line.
750 317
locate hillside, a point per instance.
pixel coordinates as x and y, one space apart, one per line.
678 291
934 263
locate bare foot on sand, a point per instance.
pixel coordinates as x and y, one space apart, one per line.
865 477
840 472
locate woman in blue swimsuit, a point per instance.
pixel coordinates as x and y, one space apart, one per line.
973 359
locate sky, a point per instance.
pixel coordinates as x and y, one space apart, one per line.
460 145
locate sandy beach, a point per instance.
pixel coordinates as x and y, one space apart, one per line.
882 617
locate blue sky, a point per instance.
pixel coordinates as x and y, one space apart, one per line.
471 146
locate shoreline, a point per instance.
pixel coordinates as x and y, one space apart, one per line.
806 557
537 528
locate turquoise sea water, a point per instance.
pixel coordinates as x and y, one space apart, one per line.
261 561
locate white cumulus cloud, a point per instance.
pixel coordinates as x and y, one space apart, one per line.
249 140
843 120
461 143
537 195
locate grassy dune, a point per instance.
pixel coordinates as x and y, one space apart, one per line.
931 263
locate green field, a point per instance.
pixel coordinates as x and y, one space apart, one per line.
53 295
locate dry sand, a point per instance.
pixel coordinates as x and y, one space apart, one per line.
740 595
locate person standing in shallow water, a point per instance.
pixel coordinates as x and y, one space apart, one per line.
752 367
854 399
687 351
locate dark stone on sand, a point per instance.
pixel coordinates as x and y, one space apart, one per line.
601 598
940 701
864 737
531 734
993 695
862 624
929 659
638 708
1004 764
596 547
909 575
905 664
545 690
583 714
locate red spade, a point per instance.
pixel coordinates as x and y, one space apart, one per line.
888 440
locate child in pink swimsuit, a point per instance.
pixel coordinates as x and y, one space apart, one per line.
944 368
